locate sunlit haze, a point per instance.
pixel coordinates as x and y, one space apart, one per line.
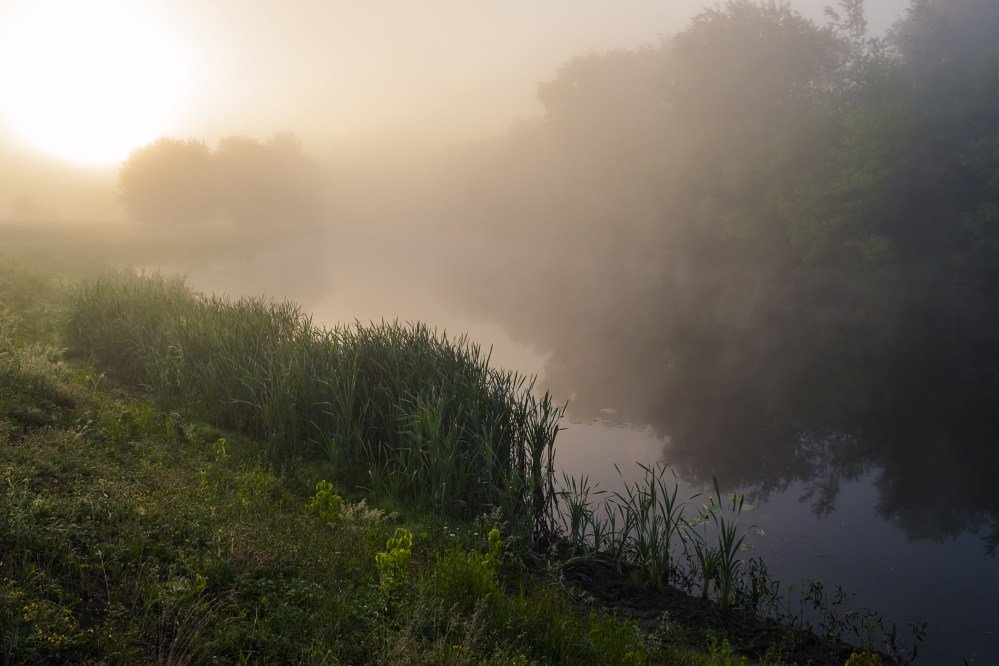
90 81
755 241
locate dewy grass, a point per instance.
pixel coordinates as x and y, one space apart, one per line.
398 406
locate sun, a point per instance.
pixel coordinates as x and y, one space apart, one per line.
90 81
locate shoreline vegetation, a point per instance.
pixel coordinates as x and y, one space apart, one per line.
196 478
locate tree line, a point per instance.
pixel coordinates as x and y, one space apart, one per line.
249 182
765 227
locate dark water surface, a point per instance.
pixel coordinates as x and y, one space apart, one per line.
950 581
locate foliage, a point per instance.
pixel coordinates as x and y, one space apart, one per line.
128 532
720 652
169 181
325 503
393 562
174 181
794 228
642 525
719 560
267 183
464 579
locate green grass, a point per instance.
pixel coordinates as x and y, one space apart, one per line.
132 533
397 408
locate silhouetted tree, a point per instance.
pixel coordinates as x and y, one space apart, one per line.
170 181
267 183
246 181
792 225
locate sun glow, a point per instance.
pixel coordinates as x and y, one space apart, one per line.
89 81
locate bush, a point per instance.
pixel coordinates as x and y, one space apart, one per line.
463 579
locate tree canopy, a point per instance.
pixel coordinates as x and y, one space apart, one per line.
249 182
762 211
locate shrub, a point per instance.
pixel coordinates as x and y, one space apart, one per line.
463 579
393 563
325 503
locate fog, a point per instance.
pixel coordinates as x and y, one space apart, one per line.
353 80
764 235
716 223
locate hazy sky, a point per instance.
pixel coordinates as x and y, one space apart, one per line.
455 67
334 71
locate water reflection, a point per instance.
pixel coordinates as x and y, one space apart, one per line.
852 541
932 455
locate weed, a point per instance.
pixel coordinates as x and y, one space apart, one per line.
325 503
720 653
719 559
393 562
464 579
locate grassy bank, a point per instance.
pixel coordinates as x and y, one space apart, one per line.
398 408
201 479
131 533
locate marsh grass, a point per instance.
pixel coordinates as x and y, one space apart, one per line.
700 548
719 557
641 526
647 528
397 407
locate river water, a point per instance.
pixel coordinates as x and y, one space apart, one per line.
949 583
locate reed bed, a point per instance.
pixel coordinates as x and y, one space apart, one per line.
398 407
669 541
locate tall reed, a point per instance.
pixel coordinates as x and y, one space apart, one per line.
719 557
413 412
644 526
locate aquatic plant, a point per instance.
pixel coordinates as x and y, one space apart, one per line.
719 558
653 519
639 525
644 526
578 509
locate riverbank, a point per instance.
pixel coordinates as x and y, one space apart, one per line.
133 531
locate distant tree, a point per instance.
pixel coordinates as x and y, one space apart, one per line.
849 19
249 182
748 65
935 35
272 182
169 181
